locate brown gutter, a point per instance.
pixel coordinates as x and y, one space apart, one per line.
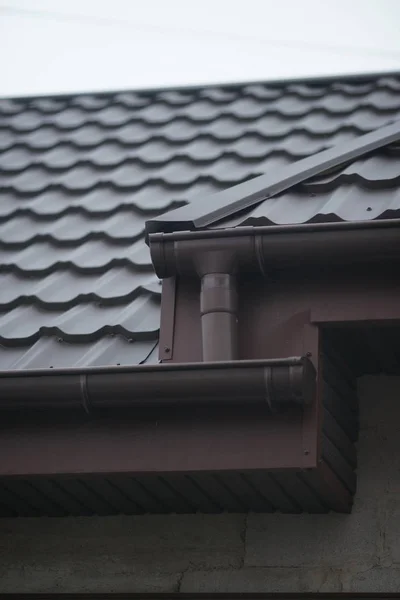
217 256
262 249
276 384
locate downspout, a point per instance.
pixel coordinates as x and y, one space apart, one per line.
216 266
217 256
218 309
217 270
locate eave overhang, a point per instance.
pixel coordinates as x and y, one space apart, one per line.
256 431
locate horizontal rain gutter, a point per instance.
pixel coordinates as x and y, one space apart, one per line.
275 384
218 256
261 249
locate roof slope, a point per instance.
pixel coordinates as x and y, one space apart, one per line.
80 175
366 189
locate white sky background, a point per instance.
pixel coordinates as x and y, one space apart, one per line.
61 46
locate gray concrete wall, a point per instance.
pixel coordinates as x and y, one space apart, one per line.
230 553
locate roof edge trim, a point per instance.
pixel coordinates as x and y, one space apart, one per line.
150 368
224 204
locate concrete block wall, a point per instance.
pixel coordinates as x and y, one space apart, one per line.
230 553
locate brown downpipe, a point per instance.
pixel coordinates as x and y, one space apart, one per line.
218 308
274 384
216 256
216 266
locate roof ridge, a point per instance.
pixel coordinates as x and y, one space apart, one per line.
307 79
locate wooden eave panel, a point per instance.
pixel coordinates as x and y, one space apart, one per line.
194 441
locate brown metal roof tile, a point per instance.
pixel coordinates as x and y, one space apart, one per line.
79 175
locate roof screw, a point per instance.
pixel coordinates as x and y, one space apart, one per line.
167 350
308 354
369 208
306 452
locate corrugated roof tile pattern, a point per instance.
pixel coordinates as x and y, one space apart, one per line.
364 190
79 176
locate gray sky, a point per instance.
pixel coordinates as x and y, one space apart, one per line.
59 46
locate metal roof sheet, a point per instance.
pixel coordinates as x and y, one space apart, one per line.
80 175
198 215
367 189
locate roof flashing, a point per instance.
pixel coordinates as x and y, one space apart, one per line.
221 205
